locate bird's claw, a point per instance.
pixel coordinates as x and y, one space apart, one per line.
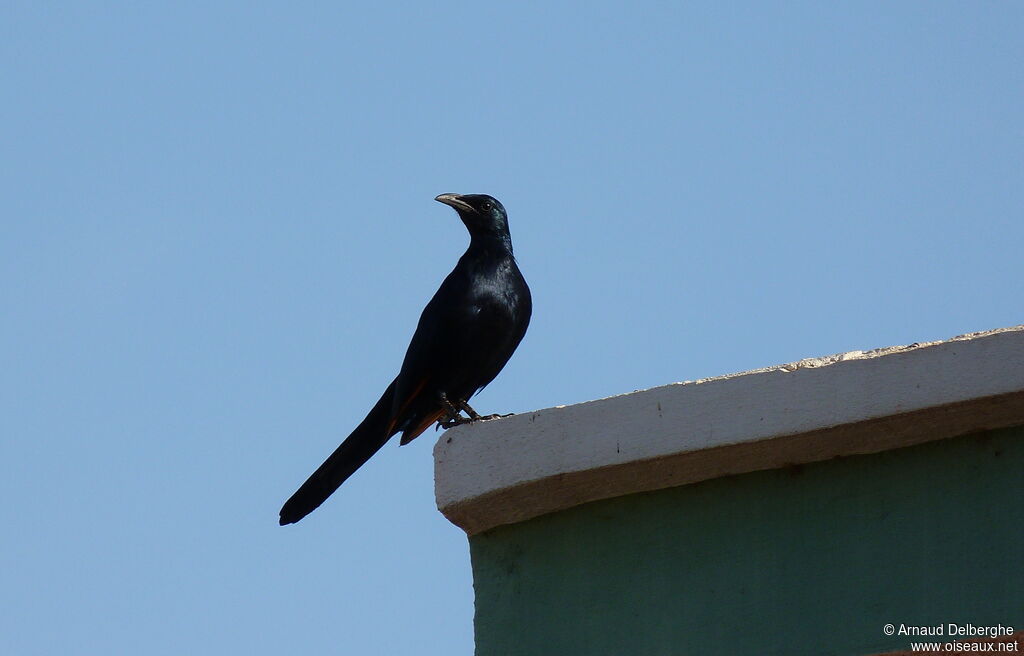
495 416
452 417
451 422
458 420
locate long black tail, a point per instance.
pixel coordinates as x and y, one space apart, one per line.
368 437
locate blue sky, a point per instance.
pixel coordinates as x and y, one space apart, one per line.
218 234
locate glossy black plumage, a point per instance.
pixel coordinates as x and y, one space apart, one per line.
466 334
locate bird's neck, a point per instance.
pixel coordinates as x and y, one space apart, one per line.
490 245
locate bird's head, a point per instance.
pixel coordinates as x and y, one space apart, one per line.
482 214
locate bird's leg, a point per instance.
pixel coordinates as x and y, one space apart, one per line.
451 413
449 407
475 416
453 418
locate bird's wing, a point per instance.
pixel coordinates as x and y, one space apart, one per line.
431 348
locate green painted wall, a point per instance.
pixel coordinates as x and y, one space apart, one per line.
811 560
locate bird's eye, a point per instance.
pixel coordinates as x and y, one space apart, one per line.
486 206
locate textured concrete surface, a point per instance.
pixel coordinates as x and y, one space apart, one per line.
510 470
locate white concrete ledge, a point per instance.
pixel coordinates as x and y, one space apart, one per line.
510 470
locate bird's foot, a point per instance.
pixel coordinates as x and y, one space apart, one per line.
494 416
452 417
475 416
457 420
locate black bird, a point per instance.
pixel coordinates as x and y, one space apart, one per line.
465 336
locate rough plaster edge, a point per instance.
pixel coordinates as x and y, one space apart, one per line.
514 469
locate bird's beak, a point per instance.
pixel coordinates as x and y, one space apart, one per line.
455 201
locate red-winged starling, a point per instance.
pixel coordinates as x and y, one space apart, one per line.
465 335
